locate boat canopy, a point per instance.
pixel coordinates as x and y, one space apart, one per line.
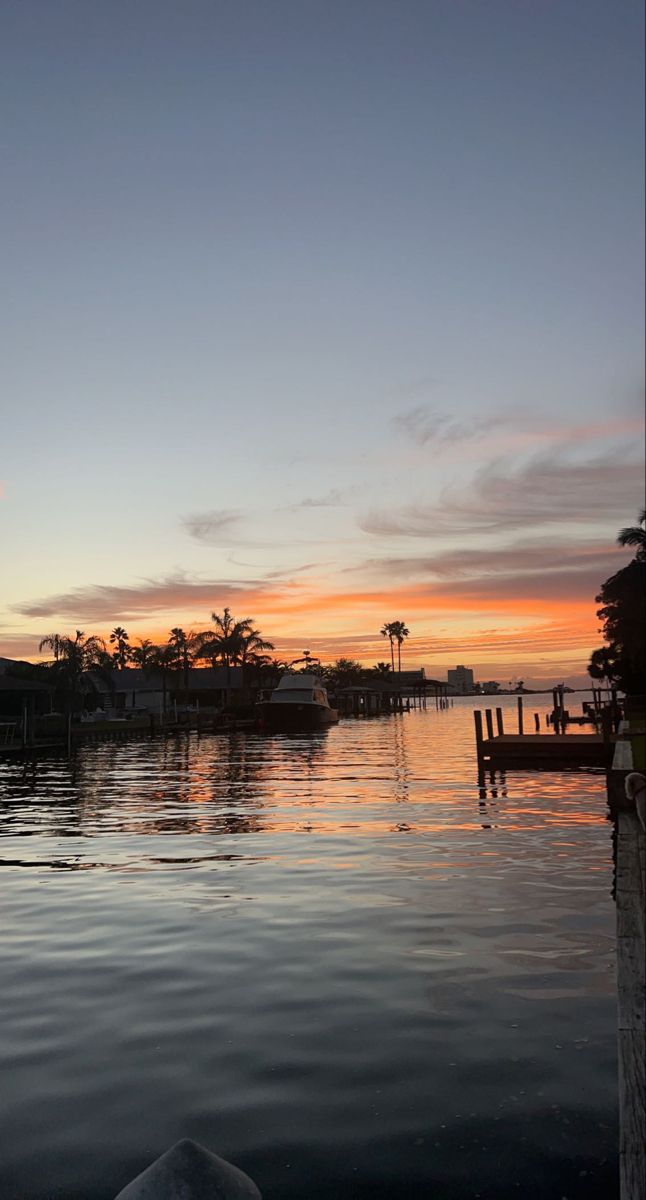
296 681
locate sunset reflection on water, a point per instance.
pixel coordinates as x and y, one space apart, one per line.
358 962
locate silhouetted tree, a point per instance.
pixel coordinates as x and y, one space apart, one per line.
387 631
345 672
399 632
122 651
76 661
381 670
53 642
635 535
232 642
602 664
623 613
179 653
145 655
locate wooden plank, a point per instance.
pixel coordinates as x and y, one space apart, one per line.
632 1115
585 749
631 1004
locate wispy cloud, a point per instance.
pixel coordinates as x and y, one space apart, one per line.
549 488
19 645
538 555
287 573
423 424
108 602
332 499
211 527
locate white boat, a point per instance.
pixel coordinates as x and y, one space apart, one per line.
299 702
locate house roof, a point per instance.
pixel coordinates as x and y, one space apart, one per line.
134 679
9 684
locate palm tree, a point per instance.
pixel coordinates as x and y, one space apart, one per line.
122 651
75 660
252 645
381 670
387 631
180 645
400 631
635 535
145 655
345 672
232 642
53 642
395 631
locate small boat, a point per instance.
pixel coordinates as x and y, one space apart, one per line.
300 701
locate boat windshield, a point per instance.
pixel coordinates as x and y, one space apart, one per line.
297 694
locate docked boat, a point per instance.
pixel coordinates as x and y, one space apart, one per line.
299 702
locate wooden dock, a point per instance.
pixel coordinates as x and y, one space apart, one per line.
497 750
630 897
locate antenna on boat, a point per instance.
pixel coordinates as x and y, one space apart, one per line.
307 659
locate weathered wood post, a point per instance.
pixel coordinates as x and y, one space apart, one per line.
520 714
489 720
477 717
631 986
499 722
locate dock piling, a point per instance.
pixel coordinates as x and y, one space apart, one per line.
499 722
520 714
477 717
489 720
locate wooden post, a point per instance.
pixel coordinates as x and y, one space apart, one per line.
499 722
630 850
537 722
489 720
477 717
520 714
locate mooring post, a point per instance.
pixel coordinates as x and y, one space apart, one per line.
477 717
501 728
489 720
537 722
520 714
631 986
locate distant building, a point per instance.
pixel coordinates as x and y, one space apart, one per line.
461 680
490 688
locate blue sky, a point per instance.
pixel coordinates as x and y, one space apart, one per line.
286 284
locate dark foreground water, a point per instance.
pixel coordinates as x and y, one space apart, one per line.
328 958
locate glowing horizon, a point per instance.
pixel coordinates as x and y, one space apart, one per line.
331 353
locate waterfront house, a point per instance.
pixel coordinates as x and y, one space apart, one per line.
155 691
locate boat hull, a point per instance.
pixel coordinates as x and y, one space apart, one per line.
288 717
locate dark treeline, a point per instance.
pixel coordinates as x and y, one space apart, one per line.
622 660
78 662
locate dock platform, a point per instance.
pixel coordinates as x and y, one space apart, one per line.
627 812
497 750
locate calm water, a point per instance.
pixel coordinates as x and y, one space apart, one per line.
329 958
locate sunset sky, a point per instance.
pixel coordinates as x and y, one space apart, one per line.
329 312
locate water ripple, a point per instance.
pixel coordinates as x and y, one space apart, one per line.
334 958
